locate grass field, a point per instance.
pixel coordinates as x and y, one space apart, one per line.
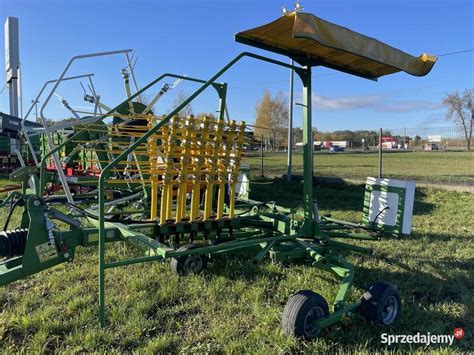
440 166
229 308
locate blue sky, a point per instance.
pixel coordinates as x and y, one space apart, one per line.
196 38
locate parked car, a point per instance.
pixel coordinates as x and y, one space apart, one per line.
336 149
431 146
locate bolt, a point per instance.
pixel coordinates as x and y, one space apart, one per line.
36 203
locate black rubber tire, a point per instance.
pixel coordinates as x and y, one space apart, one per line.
188 265
381 303
301 308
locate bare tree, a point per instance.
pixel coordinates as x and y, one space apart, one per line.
146 99
201 115
271 119
460 111
180 98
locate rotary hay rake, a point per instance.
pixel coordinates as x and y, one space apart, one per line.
182 186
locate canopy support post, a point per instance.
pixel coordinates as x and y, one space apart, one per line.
307 153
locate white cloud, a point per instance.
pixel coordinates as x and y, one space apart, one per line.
409 106
345 103
376 103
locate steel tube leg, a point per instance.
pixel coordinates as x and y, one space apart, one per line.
102 258
220 200
208 200
195 199
307 153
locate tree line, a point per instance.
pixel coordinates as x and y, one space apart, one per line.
271 122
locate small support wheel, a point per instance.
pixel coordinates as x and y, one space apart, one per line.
381 303
301 312
188 265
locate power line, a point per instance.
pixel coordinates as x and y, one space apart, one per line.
451 53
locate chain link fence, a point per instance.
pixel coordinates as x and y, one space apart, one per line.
434 155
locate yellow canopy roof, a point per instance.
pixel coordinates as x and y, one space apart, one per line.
310 40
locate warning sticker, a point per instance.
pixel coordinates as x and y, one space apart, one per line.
46 251
94 237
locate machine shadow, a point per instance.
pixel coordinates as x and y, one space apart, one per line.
331 194
451 278
236 266
424 293
426 298
435 237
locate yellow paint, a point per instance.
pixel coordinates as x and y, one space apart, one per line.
187 155
220 200
152 150
195 200
208 200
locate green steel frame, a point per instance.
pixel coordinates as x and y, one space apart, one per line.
260 229
221 89
309 229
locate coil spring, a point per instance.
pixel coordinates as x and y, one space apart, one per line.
13 242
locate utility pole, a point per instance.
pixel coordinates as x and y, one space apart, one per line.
12 66
404 137
290 124
35 102
380 153
261 157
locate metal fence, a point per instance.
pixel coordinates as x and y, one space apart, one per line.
436 155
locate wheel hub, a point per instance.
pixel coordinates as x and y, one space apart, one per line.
314 314
390 309
193 264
